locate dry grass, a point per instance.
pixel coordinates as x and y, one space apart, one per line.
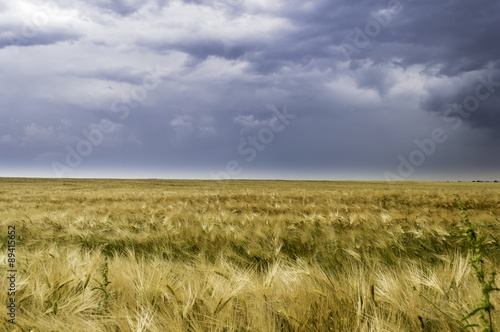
244 255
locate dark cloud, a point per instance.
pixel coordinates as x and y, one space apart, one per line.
200 50
475 100
120 7
14 36
457 35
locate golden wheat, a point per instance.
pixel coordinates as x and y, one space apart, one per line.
244 255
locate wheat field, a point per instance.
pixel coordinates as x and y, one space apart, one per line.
179 255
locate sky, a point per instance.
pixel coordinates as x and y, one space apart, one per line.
229 89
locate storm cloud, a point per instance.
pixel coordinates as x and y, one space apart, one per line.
250 89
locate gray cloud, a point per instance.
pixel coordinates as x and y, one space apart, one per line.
120 7
11 38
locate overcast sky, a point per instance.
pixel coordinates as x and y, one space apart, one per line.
323 89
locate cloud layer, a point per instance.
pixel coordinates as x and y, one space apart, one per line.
175 88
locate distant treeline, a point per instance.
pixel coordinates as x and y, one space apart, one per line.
495 181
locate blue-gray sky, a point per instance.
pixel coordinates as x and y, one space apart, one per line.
322 89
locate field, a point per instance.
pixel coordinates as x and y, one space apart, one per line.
172 255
